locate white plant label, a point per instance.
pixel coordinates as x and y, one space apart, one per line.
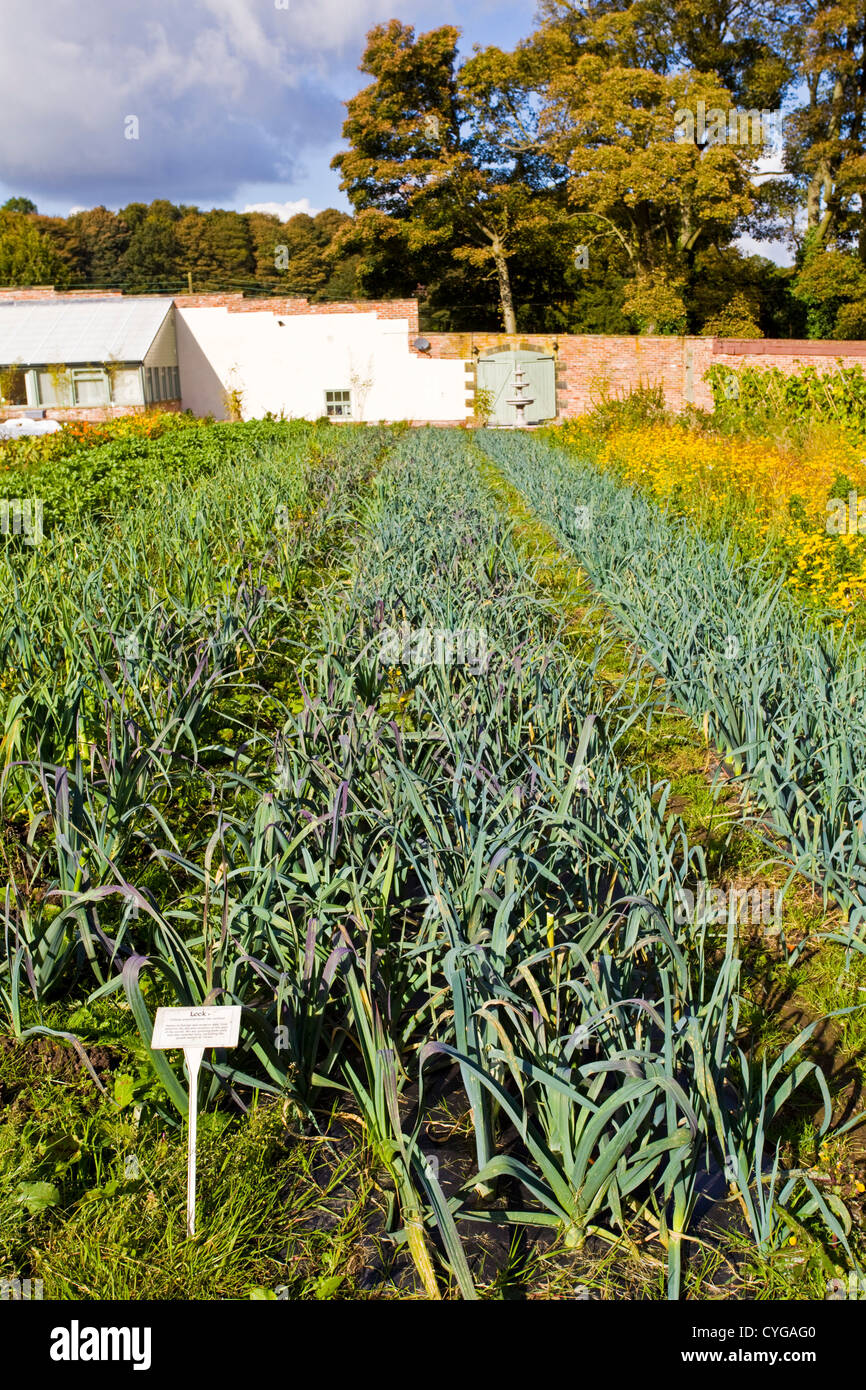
194 1030
214 1027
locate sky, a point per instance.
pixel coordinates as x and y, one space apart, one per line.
234 103
238 102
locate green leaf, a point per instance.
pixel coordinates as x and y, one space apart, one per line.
326 1288
124 1089
37 1196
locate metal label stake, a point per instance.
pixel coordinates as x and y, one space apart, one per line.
194 1030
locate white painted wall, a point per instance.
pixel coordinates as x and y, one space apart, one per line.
163 350
290 368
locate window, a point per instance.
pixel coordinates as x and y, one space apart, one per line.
13 385
338 403
91 388
55 387
126 388
161 384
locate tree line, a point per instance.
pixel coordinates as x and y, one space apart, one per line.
597 178
145 248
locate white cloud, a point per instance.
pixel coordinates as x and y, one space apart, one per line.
227 92
284 210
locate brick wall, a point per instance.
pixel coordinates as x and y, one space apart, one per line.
237 304
586 365
92 413
285 308
49 292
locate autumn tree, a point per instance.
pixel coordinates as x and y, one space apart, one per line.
99 240
216 249
297 257
24 205
832 286
633 181
443 165
744 45
152 258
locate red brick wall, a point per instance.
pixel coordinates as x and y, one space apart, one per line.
85 412
588 363
49 292
237 304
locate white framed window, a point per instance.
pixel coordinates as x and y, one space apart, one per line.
338 404
91 387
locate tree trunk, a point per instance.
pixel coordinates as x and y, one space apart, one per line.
506 300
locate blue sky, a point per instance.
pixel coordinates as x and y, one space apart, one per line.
238 102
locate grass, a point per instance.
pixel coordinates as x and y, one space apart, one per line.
284 1212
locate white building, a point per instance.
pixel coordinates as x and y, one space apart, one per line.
88 354
345 361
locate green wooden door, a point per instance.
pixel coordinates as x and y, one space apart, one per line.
496 374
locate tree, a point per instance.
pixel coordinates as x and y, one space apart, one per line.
632 180
441 165
27 256
297 257
832 285
654 300
217 248
825 149
24 205
737 319
151 260
99 239
623 75
727 286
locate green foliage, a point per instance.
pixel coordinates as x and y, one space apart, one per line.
832 285
656 304
483 404
643 405
752 396
392 860
27 256
736 320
